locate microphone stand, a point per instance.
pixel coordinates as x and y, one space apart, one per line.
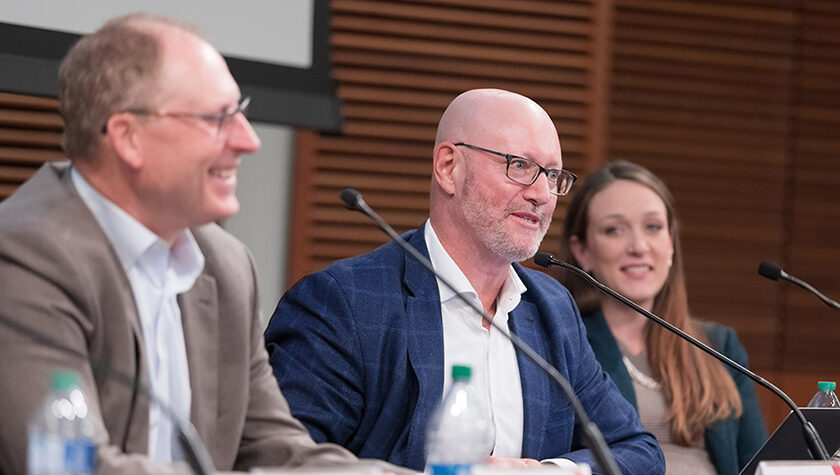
812 437
773 272
600 452
195 453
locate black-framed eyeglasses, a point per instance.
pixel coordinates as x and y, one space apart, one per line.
222 119
525 171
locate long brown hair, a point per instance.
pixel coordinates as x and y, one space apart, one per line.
697 388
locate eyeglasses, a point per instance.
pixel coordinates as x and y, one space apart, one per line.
526 171
222 119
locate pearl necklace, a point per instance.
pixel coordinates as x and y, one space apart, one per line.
640 377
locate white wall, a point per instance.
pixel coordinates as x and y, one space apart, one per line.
273 31
264 192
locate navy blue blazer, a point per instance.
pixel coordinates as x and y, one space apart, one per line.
358 352
732 442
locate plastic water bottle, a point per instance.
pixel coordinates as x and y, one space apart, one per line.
458 435
825 397
61 432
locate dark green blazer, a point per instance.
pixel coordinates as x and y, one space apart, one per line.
732 442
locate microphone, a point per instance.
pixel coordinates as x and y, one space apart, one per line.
353 199
602 455
193 449
774 272
812 437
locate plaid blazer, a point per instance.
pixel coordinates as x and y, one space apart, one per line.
358 352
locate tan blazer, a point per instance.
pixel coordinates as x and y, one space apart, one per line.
60 275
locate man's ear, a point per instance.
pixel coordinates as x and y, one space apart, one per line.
122 132
445 167
578 249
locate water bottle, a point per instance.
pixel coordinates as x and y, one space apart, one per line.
458 435
825 396
61 432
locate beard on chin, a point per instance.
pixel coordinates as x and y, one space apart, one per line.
491 229
526 250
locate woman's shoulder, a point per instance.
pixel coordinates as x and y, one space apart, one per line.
724 339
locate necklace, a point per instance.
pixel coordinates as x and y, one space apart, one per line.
640 377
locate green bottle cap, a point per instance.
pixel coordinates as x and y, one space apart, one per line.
826 385
62 380
461 373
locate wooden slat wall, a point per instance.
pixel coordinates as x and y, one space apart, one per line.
735 104
701 94
30 134
731 102
398 64
814 247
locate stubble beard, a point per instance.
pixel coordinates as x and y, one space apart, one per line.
491 229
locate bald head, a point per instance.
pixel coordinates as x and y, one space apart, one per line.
492 112
478 212
499 120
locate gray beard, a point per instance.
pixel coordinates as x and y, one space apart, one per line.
477 209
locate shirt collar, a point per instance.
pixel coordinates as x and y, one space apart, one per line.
445 266
132 240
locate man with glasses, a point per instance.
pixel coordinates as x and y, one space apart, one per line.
115 257
363 350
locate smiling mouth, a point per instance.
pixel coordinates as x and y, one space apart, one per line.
638 269
223 173
527 217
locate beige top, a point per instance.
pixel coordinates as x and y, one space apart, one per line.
679 460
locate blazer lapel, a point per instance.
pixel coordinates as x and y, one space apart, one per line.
135 437
536 388
83 214
425 344
199 316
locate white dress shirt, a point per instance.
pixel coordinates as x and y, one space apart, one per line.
490 355
157 273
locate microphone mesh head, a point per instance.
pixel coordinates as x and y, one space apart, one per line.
771 271
543 259
350 196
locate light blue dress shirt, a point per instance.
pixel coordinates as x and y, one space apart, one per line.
157 273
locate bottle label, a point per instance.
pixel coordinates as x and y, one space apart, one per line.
49 454
450 469
79 456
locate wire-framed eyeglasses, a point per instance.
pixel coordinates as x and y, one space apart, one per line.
525 171
221 119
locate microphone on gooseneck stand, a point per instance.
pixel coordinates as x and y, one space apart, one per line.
191 446
773 272
812 437
602 455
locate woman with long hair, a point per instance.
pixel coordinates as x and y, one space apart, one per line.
621 227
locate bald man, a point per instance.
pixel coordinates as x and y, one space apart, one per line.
363 350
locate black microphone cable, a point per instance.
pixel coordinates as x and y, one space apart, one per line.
812 437
600 452
774 272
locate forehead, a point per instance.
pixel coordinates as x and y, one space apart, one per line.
625 198
193 73
517 127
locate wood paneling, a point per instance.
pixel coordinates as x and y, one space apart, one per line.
735 104
813 249
701 94
732 102
399 64
30 134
